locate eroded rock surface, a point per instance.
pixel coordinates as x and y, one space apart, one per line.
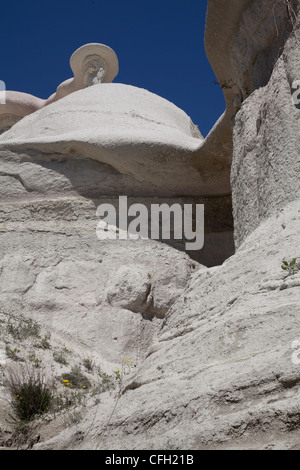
214 361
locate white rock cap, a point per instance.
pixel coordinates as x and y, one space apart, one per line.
104 52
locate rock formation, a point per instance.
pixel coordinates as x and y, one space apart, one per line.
91 64
212 339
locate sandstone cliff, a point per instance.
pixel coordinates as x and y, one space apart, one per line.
211 338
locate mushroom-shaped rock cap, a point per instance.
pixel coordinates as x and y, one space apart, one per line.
105 53
137 133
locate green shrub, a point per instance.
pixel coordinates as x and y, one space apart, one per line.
75 378
13 353
30 394
44 343
291 267
60 357
21 328
88 364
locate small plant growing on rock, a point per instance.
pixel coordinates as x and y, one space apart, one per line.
75 378
34 359
125 369
30 394
13 353
60 357
44 343
88 364
106 383
291 267
21 328
118 377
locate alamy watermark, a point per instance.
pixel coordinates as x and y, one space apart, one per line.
157 222
2 92
296 353
296 92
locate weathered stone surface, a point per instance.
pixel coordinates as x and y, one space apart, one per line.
53 266
214 362
265 169
144 142
130 288
90 64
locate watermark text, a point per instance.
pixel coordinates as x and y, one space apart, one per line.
159 222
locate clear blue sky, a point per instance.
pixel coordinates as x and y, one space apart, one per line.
159 43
